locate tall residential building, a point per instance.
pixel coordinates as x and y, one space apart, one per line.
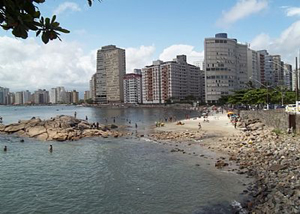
11 98
26 97
19 98
87 95
4 96
75 96
288 76
106 84
41 96
61 95
53 96
278 70
225 65
133 87
175 79
253 68
272 69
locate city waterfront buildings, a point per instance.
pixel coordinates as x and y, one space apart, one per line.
106 84
173 80
133 87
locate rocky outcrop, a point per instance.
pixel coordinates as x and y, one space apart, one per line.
60 128
273 159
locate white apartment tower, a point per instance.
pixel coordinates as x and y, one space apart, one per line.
253 68
175 79
225 65
133 87
106 84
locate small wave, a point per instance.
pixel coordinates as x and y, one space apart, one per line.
238 207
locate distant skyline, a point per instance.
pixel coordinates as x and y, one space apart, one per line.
148 30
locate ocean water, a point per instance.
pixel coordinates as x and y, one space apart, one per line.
96 175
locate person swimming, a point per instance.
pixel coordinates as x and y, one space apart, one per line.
50 148
5 149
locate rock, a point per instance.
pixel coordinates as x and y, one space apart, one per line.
60 128
43 136
2 127
35 131
14 127
220 164
60 137
277 167
84 125
33 122
104 135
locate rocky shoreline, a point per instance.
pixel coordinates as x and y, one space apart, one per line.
259 152
59 128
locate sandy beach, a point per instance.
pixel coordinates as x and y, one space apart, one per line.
218 124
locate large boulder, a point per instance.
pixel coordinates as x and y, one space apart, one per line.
60 136
2 127
84 125
35 131
51 133
42 137
14 127
33 122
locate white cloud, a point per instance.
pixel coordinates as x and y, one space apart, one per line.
66 6
139 57
193 57
287 44
240 10
27 64
292 11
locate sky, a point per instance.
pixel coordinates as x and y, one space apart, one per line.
148 30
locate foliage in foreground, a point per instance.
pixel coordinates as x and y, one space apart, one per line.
24 16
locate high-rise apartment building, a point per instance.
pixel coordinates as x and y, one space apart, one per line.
41 96
288 77
87 95
4 96
106 84
27 97
19 98
53 96
133 87
225 65
175 79
253 68
75 96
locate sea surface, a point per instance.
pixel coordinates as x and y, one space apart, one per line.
95 175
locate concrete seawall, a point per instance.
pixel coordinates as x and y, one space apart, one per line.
278 119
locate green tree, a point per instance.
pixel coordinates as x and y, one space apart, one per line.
23 16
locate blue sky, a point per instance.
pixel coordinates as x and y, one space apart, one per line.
148 30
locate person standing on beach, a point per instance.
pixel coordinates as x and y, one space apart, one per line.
136 126
199 125
5 149
75 113
50 148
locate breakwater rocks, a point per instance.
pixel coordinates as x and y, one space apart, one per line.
273 160
60 128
